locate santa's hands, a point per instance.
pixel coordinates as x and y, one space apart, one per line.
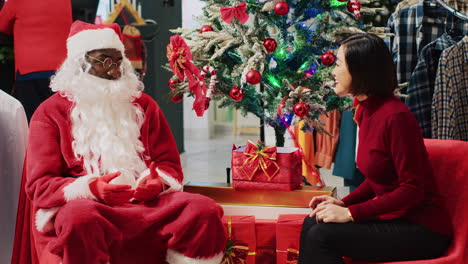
110 194
150 187
331 213
323 199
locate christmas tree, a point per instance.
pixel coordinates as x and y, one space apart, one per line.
270 58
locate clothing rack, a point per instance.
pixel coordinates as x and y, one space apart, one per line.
452 10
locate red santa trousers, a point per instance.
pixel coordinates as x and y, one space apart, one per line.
90 232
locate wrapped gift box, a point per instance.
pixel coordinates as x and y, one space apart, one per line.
265 230
242 243
224 193
288 232
267 168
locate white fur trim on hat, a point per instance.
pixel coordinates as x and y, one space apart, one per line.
93 39
174 257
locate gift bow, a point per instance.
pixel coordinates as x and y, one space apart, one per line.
235 253
179 56
228 13
264 159
293 256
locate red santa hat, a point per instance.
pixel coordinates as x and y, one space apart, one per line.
85 37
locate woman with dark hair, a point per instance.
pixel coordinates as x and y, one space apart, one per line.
396 213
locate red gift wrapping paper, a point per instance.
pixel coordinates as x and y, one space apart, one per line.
281 168
265 230
288 232
241 233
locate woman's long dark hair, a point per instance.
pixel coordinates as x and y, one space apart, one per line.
370 64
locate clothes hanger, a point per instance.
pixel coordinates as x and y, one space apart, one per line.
452 10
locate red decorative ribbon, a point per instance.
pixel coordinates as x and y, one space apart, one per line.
296 142
235 253
228 13
264 159
180 60
293 256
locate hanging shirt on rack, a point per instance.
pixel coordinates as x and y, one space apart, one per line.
405 3
413 28
421 85
325 144
450 100
13 141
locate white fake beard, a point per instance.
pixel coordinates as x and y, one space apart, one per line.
105 122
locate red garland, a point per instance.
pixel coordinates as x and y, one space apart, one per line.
180 60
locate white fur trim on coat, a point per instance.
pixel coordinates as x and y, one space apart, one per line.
174 257
174 185
79 189
143 175
44 219
88 40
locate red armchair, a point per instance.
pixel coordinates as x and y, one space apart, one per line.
449 159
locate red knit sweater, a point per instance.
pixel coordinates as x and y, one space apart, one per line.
392 156
40 30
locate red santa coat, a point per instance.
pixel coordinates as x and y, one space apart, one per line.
40 30
51 168
51 157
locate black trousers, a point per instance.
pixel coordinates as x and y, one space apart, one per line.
31 94
373 241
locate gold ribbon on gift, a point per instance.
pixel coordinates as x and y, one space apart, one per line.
235 254
293 256
263 158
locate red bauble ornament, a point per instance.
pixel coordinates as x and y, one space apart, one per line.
354 6
177 98
270 44
253 77
281 8
171 83
206 28
301 109
328 59
236 94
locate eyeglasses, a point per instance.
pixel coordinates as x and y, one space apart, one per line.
107 63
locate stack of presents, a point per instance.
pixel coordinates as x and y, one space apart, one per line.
264 206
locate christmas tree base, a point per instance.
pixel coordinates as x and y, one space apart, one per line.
223 193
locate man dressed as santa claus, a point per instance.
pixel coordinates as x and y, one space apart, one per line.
103 171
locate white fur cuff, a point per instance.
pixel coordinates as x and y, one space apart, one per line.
143 175
79 189
44 219
174 185
174 257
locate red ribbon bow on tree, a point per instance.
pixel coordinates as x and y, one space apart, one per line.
234 253
263 158
180 60
228 13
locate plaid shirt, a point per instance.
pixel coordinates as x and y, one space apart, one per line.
413 28
450 101
421 85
